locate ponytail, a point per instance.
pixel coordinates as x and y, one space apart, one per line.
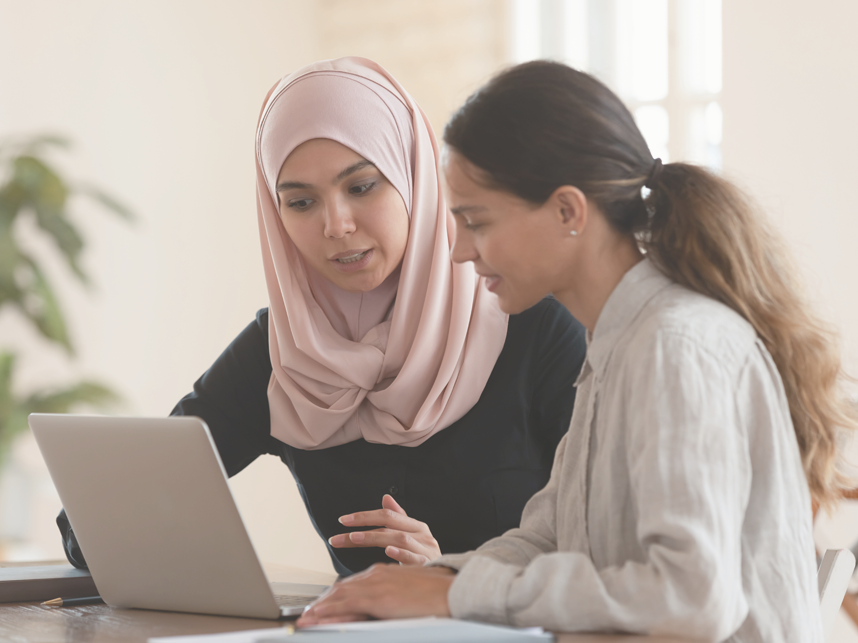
707 236
542 125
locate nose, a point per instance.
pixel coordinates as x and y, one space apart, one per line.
339 221
463 246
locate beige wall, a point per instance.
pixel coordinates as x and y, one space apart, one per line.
790 101
161 98
790 137
440 50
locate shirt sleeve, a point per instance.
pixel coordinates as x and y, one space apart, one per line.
232 398
689 479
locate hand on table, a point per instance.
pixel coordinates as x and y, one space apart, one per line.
404 539
383 591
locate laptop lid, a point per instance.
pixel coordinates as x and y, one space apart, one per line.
156 521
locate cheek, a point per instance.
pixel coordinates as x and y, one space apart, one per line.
519 253
302 233
393 227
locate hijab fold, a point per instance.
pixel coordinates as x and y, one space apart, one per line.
399 363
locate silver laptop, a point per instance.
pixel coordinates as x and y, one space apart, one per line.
150 505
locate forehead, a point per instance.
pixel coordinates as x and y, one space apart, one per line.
318 155
464 185
459 174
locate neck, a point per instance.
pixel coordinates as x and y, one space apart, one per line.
599 267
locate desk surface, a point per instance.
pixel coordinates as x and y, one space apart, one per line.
26 622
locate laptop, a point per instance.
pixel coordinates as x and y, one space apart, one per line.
149 502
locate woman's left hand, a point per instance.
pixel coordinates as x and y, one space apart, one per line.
383 591
404 539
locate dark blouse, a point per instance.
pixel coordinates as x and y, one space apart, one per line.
469 482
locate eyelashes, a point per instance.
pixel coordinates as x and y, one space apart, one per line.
363 188
359 190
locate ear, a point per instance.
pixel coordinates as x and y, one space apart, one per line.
571 207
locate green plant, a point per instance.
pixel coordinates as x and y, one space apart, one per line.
30 187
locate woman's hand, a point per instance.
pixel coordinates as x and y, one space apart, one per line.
404 539
383 591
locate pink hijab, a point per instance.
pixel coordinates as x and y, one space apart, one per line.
399 363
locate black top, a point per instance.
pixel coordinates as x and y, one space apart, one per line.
469 482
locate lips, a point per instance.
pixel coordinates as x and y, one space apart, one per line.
349 256
492 282
352 260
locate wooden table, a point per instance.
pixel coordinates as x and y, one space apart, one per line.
32 623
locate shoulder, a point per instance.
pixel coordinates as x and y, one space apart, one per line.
255 334
679 322
262 321
547 321
249 349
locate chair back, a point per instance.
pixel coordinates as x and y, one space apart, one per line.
834 573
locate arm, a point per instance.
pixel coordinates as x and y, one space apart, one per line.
231 397
688 480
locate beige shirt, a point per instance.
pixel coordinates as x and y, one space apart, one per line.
677 503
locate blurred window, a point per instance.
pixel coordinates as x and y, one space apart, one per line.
662 57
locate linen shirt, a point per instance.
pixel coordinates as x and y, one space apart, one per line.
677 503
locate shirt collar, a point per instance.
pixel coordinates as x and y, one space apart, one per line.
635 290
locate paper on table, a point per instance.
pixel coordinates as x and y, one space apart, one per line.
415 629
358 626
244 636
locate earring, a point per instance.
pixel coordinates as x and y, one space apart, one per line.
574 233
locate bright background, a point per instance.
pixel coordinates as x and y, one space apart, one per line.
161 99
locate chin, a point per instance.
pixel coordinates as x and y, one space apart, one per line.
357 286
515 305
511 307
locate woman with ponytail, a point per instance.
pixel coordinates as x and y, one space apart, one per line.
708 414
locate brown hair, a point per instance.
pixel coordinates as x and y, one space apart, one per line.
541 125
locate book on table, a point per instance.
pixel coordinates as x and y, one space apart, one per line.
25 583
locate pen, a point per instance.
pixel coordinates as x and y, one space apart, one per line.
69 602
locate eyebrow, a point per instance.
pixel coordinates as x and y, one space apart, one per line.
351 169
462 210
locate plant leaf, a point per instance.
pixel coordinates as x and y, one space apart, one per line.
62 401
109 202
7 401
32 145
13 415
9 259
41 307
65 235
46 195
36 143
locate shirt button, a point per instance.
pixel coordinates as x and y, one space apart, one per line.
393 490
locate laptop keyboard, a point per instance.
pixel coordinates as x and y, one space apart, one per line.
293 600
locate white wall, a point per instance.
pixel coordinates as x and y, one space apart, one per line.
161 98
790 138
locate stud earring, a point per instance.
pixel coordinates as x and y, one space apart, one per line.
574 233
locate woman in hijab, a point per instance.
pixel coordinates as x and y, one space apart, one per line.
381 373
